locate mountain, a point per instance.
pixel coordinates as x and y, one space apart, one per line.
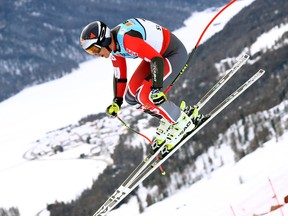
239 36
245 127
259 115
40 40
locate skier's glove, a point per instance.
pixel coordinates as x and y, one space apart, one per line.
157 96
113 109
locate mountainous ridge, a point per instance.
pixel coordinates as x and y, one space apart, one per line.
238 37
40 40
190 153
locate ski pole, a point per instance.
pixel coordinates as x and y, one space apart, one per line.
137 132
191 55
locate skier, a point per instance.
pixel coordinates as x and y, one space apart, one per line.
163 56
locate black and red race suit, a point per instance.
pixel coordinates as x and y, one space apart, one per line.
140 38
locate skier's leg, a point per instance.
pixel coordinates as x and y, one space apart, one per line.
139 89
138 95
142 71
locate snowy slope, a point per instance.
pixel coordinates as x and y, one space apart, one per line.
32 113
241 189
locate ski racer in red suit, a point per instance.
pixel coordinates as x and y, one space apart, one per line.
163 56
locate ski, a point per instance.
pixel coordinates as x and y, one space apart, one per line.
149 164
125 187
240 62
165 154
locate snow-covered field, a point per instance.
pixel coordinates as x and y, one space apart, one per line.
29 115
243 189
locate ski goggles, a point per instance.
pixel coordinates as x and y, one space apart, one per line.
94 49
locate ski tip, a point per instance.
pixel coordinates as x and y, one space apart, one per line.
246 56
261 70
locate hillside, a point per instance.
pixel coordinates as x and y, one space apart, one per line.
40 40
239 36
259 115
214 57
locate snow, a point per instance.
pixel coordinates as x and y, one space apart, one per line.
29 115
266 41
269 39
243 188
198 21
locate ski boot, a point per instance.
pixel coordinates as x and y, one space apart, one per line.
193 113
177 132
161 134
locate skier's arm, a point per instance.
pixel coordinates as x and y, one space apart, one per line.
157 72
120 76
119 84
137 46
